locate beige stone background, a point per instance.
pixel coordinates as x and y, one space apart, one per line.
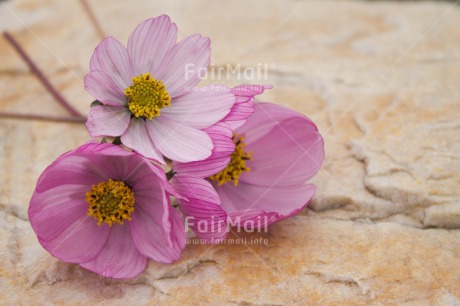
382 81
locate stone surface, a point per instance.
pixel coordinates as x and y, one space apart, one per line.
379 78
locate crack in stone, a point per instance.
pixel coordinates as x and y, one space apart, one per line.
177 273
411 203
358 125
11 211
14 246
346 280
407 210
46 276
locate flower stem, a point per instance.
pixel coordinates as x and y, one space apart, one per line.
57 96
8 115
93 18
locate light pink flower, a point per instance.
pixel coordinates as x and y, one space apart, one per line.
108 210
149 96
286 151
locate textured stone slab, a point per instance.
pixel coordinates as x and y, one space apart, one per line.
379 78
304 259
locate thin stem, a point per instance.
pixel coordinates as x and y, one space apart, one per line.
57 96
8 115
93 18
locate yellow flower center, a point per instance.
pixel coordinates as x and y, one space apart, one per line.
110 202
146 96
237 164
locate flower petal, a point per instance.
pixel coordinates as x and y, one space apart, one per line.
93 147
185 64
224 146
87 165
202 210
178 234
137 138
151 223
179 142
70 169
104 89
290 153
161 175
244 104
265 118
108 160
149 43
119 258
152 229
107 120
201 108
111 57
80 242
282 200
239 113
52 211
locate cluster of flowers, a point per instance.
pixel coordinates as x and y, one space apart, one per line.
234 162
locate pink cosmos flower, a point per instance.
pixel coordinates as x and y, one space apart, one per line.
285 150
148 93
277 151
108 210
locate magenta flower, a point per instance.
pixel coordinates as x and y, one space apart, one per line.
277 151
148 93
108 210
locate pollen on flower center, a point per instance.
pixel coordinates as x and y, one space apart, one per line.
146 96
237 164
110 202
